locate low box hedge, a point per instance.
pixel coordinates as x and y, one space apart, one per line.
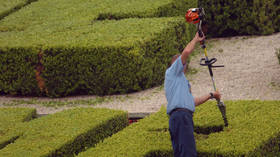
138 139
105 58
253 131
66 133
10 118
72 52
238 17
9 6
17 71
57 16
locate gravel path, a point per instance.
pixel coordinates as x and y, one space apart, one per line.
251 72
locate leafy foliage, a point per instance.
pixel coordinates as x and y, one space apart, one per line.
84 52
10 118
9 6
238 17
66 133
253 131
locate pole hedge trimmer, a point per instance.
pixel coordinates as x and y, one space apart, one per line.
197 16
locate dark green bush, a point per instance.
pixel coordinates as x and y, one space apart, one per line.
239 17
126 63
85 53
254 130
10 118
17 71
86 62
65 133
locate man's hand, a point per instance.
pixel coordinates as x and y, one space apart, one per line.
197 38
217 95
190 47
204 98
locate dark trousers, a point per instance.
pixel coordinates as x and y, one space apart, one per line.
181 132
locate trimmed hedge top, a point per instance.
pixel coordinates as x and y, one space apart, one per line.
139 139
10 118
7 6
254 130
66 133
108 34
253 125
60 15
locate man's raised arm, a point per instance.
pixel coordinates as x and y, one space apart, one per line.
190 47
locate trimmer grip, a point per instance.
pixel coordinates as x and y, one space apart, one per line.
200 33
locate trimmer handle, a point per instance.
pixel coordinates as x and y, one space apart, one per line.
206 62
200 33
202 43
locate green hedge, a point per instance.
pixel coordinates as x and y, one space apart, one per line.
17 71
84 55
57 16
9 119
9 6
254 130
239 17
107 57
66 133
147 135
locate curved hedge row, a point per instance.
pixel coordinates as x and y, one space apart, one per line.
86 62
9 6
254 130
239 17
10 118
65 133
60 48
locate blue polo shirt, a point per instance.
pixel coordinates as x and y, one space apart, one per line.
177 88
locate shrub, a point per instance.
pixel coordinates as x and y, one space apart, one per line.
238 17
253 131
66 133
134 58
17 71
8 6
9 119
148 134
78 52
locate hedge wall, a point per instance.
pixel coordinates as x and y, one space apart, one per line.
65 133
239 17
85 61
254 130
65 50
10 118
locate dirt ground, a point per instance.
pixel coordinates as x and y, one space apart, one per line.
251 72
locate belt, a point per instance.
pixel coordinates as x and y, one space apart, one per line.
180 109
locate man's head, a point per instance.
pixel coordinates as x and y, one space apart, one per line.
174 59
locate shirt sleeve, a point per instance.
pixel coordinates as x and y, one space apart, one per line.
177 67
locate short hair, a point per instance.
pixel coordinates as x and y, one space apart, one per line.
173 59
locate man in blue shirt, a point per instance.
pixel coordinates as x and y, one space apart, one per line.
181 103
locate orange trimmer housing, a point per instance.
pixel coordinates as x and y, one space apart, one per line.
192 16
